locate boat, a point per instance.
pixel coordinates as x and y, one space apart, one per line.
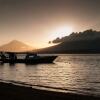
30 59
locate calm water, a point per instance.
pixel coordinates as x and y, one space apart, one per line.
70 73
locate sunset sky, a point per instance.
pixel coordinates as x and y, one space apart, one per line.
35 22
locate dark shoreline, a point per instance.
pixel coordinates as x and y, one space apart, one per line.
9 91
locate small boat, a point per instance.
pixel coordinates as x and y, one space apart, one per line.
30 59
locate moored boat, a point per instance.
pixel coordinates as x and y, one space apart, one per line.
30 59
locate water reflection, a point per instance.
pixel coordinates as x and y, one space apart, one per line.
75 73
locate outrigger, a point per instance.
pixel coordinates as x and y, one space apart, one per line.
30 58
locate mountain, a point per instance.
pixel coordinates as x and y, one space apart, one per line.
15 46
81 36
83 42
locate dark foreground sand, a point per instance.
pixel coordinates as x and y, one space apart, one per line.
9 91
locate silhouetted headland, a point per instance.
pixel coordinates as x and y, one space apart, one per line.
82 42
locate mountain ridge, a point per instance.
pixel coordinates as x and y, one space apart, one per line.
83 42
15 46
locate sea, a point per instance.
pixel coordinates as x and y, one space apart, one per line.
70 73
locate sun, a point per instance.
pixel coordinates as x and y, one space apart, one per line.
62 31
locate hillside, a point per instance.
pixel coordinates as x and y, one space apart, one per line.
82 42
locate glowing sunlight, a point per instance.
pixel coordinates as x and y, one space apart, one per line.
62 31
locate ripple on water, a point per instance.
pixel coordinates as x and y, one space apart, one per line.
74 73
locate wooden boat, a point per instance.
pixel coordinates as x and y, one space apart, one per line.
34 60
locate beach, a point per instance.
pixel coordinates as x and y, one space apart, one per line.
9 91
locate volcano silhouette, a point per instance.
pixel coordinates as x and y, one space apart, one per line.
16 46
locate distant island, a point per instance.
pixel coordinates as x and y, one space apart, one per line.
78 42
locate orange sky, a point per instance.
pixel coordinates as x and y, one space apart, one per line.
36 22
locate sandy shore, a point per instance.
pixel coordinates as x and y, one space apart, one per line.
10 91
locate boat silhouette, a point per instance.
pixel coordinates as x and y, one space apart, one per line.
31 58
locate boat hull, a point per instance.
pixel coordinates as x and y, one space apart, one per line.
44 59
